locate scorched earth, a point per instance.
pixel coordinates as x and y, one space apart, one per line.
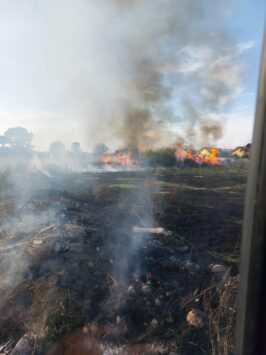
78 277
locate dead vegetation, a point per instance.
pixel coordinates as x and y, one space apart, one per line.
136 289
220 308
66 315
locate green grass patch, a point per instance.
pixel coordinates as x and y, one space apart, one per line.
66 316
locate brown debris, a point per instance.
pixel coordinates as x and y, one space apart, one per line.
195 318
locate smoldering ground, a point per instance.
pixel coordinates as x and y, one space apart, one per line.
117 67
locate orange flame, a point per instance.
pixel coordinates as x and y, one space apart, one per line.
181 154
213 157
119 158
208 157
190 155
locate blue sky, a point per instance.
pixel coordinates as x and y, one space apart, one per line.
42 82
245 23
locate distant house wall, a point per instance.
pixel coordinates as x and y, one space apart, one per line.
204 153
240 152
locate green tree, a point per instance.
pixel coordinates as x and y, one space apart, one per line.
19 137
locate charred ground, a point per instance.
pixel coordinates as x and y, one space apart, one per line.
114 291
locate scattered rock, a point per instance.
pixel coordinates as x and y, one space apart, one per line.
153 323
146 289
195 318
158 302
217 268
131 289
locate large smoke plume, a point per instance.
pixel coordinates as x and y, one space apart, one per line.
132 71
154 56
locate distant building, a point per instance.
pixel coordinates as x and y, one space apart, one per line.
204 153
242 152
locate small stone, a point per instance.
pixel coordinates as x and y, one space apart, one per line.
195 318
154 323
146 289
130 289
157 302
85 330
217 268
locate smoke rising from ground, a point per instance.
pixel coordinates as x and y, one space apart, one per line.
126 72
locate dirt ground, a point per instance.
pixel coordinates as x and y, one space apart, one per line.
75 279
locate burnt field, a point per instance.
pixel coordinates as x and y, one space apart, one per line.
77 279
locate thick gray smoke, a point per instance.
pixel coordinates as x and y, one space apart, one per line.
84 70
123 64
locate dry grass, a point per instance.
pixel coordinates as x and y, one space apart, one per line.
66 315
219 305
42 289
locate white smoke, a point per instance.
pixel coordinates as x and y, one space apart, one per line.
96 66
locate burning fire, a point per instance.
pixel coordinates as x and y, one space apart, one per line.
121 158
107 159
213 157
207 156
180 153
210 157
190 155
